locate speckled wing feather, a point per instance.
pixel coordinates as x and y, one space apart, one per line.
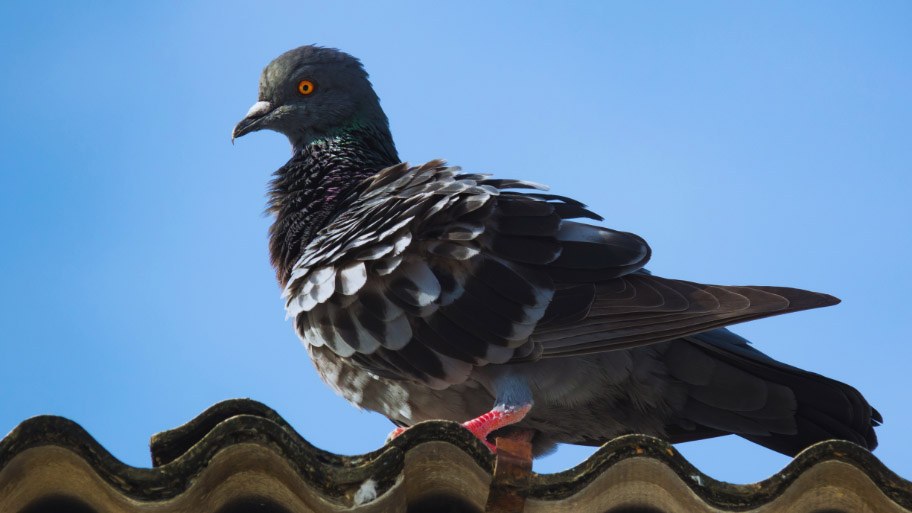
429 273
412 279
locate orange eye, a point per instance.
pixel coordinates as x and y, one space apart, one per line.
305 87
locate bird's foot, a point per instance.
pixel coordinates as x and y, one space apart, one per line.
495 419
394 433
500 416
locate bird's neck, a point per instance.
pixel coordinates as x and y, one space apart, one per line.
316 184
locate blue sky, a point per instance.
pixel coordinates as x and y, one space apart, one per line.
749 142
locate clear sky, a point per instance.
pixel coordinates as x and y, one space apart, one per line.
764 143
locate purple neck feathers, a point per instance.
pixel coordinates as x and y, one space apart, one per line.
316 184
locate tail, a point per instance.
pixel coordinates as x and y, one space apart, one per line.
733 388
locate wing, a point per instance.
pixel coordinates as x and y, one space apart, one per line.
639 309
429 273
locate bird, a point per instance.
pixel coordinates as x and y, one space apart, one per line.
427 292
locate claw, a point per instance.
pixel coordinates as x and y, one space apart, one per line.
495 419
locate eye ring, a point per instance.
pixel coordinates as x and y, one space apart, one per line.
306 87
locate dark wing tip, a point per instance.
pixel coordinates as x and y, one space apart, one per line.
800 299
830 300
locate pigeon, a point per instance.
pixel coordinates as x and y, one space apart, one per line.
425 292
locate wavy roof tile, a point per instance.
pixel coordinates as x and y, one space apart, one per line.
241 456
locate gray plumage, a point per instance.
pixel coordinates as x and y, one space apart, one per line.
427 293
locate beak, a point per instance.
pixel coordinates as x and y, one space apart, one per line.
253 120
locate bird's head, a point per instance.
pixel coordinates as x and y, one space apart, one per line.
311 93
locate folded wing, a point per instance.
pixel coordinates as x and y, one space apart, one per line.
429 273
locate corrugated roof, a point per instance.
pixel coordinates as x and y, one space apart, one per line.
240 455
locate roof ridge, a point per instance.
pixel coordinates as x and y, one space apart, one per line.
183 453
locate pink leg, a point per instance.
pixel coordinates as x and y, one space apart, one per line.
396 432
484 425
495 419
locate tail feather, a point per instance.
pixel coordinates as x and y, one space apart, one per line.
818 408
